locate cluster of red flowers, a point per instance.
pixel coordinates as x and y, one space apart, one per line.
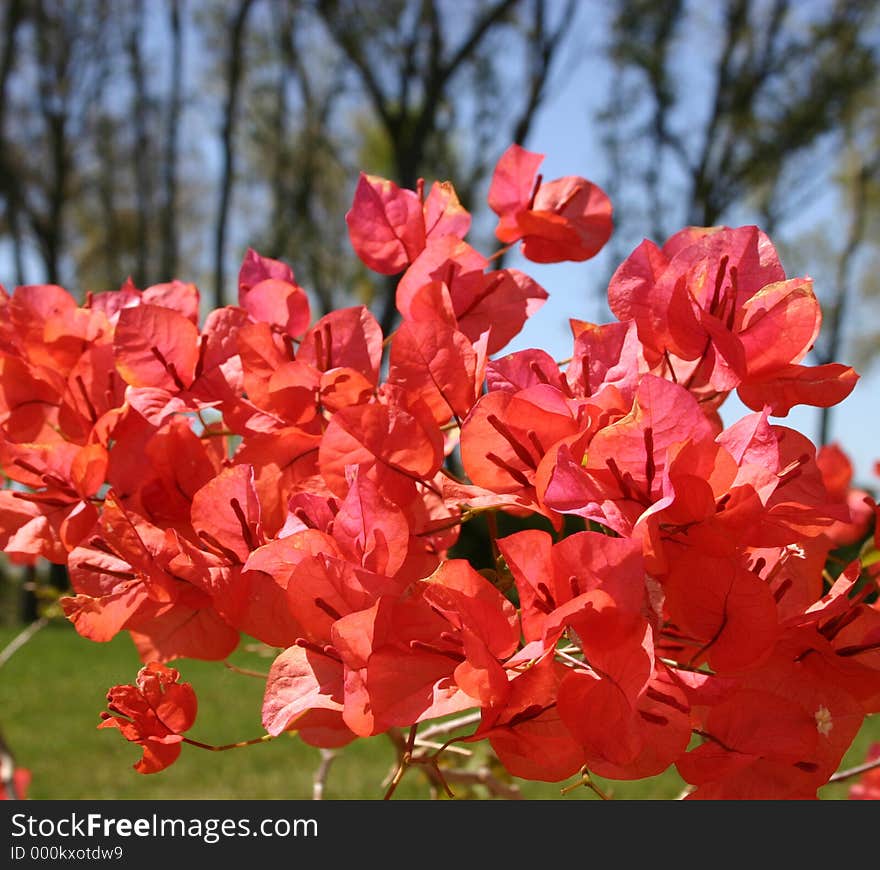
260 475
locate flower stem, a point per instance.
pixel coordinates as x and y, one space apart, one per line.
211 748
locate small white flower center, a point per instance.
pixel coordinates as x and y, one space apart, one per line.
797 551
823 721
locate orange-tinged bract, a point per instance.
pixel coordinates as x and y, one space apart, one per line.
299 482
153 713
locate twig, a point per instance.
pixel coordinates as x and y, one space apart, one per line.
439 778
405 759
320 780
21 639
587 782
483 776
432 744
211 748
246 671
855 771
442 728
577 663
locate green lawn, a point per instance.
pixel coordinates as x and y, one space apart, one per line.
52 691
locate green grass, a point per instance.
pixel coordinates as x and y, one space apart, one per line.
53 689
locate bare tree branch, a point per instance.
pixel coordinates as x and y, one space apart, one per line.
544 46
21 639
858 770
9 183
320 780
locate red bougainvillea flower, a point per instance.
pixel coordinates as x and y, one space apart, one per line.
392 439
57 512
507 435
837 474
439 365
434 651
644 722
715 311
268 292
390 225
758 745
154 713
291 481
527 733
304 692
138 583
448 283
565 219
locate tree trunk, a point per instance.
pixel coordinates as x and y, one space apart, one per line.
9 186
234 71
141 147
169 248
